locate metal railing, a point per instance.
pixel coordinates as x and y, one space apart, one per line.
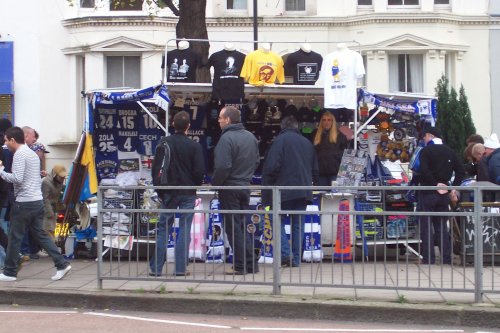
382 255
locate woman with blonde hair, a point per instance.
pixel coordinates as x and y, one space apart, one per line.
329 143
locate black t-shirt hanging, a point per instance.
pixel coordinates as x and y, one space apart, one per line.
304 67
227 84
181 65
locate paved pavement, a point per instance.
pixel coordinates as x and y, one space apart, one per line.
232 295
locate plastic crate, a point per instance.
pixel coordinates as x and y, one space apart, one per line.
371 227
399 226
370 233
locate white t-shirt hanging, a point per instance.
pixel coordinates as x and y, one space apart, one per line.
340 72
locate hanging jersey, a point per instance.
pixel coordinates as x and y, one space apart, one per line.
304 67
105 117
127 128
340 72
182 65
105 140
227 83
150 134
127 141
263 68
196 112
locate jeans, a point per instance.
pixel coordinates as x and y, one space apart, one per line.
4 224
2 256
431 201
29 216
297 231
28 245
244 259
158 259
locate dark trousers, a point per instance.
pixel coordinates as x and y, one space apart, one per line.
434 228
241 242
296 231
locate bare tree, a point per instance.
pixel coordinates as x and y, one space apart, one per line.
192 24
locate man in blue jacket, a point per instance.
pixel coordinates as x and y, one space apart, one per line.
236 159
291 161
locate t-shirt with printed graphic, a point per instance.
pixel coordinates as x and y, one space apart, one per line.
263 68
227 84
340 72
181 65
304 67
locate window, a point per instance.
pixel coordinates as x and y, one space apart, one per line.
406 73
364 2
295 5
236 4
6 106
441 2
87 3
449 69
402 2
123 72
125 5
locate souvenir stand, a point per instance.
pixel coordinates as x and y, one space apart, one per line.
262 108
124 127
127 124
389 132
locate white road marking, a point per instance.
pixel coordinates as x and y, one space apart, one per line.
46 312
155 320
345 330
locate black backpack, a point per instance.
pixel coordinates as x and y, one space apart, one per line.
160 173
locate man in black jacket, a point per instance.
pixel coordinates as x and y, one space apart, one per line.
185 168
438 164
291 161
236 159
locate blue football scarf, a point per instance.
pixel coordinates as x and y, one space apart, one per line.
215 234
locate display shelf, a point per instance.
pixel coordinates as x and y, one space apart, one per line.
285 89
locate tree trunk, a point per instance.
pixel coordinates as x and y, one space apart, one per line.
192 24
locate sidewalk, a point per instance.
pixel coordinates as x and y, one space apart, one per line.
79 289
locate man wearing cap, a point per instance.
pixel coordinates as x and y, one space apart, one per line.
52 186
438 164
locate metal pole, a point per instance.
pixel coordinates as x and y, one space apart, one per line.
276 242
478 245
255 26
99 238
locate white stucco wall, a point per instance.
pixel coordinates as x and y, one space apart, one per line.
47 81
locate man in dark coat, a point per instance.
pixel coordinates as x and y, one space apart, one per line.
291 161
186 168
236 159
438 163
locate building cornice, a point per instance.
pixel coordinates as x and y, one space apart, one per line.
288 21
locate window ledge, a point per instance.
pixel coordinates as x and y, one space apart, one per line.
63 143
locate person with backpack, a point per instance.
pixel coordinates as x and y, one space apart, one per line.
178 161
438 164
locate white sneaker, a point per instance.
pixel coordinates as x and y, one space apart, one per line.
6 278
61 273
